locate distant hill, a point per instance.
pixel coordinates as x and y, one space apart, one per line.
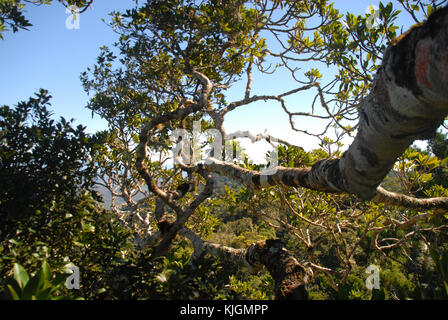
105 194
219 188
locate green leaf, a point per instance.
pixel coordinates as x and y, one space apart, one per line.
77 243
12 292
12 289
18 243
46 271
445 284
32 287
59 279
44 294
426 177
20 275
100 291
433 161
413 155
86 227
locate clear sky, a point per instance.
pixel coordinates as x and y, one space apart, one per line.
51 56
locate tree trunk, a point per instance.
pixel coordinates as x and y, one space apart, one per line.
408 101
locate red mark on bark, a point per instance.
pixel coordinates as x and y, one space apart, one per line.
422 62
382 93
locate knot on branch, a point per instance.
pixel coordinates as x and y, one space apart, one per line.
290 277
184 188
164 226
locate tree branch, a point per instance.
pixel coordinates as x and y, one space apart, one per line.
408 101
290 277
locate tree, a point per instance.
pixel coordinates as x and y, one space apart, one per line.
41 160
48 208
180 58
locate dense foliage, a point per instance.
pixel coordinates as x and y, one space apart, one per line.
48 211
167 56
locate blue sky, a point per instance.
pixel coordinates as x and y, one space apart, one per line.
51 56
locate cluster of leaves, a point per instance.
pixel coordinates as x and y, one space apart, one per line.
161 43
42 286
176 276
211 36
11 15
48 211
40 157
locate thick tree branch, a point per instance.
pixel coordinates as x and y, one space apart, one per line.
145 136
408 101
401 200
314 178
290 277
170 230
254 138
